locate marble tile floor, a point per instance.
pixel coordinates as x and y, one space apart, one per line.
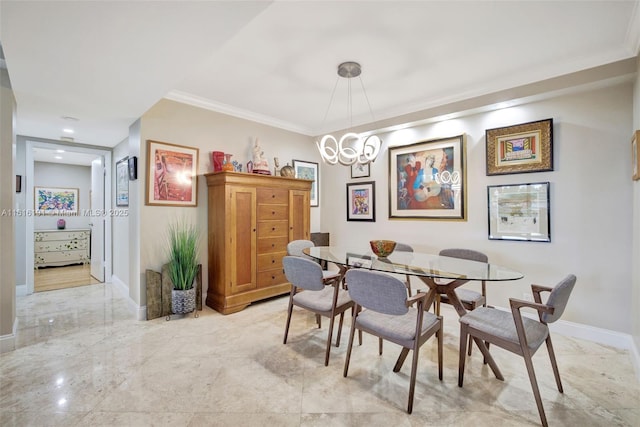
83 360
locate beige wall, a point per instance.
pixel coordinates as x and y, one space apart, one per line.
181 124
7 223
591 195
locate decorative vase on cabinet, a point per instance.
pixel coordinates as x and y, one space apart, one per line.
227 166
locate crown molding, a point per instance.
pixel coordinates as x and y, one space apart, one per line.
196 101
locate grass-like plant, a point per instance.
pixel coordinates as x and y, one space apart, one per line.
183 254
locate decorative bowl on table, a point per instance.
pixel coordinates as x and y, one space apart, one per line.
382 248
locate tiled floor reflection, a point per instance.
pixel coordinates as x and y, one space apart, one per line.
84 361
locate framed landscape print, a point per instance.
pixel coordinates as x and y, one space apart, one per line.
361 201
519 212
427 179
122 182
309 170
527 147
56 201
171 175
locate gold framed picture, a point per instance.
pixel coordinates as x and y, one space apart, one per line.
526 147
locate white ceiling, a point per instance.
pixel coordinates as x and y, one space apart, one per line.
106 63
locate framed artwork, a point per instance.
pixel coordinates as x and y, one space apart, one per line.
634 155
361 201
122 182
519 212
56 201
527 147
427 180
309 170
358 170
172 172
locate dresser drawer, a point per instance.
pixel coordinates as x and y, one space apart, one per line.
270 278
46 236
273 244
60 245
62 257
273 196
269 212
270 260
273 229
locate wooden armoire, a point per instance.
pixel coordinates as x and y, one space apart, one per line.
251 219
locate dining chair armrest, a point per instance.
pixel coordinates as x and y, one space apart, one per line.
517 304
537 289
417 297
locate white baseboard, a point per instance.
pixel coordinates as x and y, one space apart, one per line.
140 311
8 342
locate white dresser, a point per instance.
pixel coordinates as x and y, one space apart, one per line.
61 247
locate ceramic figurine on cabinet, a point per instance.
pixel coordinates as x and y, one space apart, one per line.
260 164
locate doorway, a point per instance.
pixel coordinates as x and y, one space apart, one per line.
92 184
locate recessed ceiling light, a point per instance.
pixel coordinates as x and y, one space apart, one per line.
59 151
57 157
67 130
73 119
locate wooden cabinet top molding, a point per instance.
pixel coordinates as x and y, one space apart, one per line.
252 179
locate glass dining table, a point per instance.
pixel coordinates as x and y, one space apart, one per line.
441 274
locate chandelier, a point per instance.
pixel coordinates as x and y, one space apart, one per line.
351 147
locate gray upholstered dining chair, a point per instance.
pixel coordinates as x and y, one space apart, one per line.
518 334
318 296
382 309
403 247
295 248
469 299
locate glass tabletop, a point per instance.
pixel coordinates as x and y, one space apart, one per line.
414 263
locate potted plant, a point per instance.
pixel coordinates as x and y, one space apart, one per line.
183 265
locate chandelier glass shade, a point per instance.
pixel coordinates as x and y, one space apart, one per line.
351 148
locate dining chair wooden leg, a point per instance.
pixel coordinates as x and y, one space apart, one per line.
326 356
380 346
464 332
401 358
339 329
534 385
440 338
286 328
412 382
319 321
554 364
352 333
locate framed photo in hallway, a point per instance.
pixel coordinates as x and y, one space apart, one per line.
56 201
172 175
122 182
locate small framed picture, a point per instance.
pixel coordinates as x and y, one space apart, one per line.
361 201
122 182
358 170
309 170
519 212
526 147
